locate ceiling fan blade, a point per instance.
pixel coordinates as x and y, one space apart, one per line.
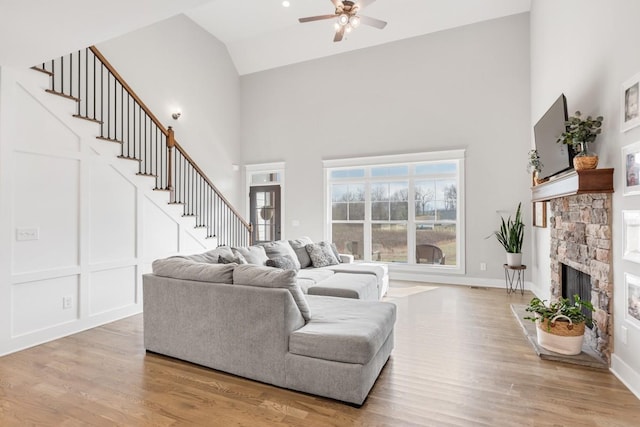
339 35
364 3
372 22
337 3
316 18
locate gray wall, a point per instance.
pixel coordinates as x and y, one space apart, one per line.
462 88
587 49
175 63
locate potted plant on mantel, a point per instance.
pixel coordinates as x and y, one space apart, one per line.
534 166
560 325
578 134
510 236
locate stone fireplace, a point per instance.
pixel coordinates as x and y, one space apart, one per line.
581 239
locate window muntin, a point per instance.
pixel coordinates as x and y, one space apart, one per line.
405 205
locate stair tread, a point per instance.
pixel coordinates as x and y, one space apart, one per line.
103 138
150 175
78 116
63 95
47 72
161 189
129 158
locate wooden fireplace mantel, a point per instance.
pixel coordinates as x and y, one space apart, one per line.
575 182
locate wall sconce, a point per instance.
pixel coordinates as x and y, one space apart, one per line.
176 115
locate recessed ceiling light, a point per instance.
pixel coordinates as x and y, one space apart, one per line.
285 3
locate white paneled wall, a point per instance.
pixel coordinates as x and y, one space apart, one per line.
78 227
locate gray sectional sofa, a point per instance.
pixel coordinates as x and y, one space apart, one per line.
255 322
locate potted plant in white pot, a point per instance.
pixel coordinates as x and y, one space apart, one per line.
560 325
578 134
534 166
510 236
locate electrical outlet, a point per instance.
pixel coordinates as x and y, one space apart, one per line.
623 334
67 302
483 266
31 233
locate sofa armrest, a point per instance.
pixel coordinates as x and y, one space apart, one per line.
346 258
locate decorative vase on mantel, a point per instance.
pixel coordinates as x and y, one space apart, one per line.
583 160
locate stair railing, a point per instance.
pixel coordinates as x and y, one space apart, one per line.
102 96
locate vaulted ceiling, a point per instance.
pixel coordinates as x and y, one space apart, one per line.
259 34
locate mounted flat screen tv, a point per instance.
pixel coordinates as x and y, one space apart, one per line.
555 157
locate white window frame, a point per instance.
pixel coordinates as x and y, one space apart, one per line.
395 160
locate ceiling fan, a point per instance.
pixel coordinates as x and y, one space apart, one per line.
347 17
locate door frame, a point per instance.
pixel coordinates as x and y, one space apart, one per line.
260 168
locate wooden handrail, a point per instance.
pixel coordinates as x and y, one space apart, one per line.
124 84
208 181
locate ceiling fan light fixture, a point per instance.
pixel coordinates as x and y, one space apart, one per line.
337 26
348 28
343 19
354 21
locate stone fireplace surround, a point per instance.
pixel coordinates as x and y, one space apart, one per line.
580 228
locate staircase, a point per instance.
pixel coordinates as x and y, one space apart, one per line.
103 97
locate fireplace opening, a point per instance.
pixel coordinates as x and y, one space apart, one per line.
576 282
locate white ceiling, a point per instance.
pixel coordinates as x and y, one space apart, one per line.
259 34
262 34
33 31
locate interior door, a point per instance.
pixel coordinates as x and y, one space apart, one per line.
264 203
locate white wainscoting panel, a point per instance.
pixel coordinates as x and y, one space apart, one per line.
160 232
113 215
46 198
50 134
38 305
112 289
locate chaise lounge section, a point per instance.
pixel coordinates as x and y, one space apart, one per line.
255 322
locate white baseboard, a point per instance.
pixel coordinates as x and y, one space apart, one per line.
452 280
625 373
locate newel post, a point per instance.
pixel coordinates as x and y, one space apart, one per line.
171 142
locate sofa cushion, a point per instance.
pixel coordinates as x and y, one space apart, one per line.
187 269
284 262
344 285
344 330
316 275
238 259
298 246
279 249
210 256
253 254
267 277
321 254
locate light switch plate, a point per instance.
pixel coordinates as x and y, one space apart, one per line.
27 233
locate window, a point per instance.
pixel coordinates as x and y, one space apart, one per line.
404 209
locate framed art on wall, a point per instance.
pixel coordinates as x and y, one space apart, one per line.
631 236
630 103
631 167
539 214
632 298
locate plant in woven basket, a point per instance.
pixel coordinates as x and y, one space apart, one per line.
560 311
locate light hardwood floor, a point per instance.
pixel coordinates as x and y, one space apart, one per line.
460 360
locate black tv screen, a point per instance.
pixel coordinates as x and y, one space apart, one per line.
555 157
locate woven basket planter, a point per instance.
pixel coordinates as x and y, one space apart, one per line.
561 336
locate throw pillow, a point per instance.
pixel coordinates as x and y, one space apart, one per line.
210 256
321 254
279 249
284 262
253 254
298 246
265 277
186 269
334 249
239 259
